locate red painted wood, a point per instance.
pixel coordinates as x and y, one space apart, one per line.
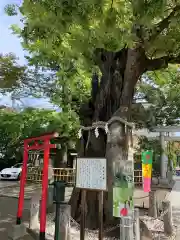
22 182
39 147
44 187
43 137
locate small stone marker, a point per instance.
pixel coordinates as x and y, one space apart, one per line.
136 224
17 232
34 210
152 204
50 172
167 218
145 233
65 213
50 203
126 228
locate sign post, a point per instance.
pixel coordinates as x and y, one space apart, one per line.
83 215
101 215
91 175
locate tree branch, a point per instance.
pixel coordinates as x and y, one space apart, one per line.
173 59
162 62
156 64
163 24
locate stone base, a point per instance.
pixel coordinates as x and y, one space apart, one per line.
155 181
51 208
164 182
17 232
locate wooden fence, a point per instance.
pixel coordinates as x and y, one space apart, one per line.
68 175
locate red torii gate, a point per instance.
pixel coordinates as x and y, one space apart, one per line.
34 144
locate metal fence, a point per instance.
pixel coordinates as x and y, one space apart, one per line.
68 174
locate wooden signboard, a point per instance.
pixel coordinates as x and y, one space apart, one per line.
91 174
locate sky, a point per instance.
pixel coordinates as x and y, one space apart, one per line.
11 43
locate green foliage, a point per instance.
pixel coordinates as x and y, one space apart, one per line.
14 127
11 73
171 152
11 9
60 34
63 36
72 30
71 89
162 90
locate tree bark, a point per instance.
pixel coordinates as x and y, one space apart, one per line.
120 73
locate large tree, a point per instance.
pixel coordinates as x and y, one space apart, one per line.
120 41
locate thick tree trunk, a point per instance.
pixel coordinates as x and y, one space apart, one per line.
120 73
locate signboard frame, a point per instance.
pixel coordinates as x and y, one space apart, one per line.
86 188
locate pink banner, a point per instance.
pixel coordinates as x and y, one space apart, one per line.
146 184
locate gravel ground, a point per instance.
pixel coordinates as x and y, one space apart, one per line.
93 235
8 214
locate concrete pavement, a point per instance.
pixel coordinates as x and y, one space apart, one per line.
4 183
174 198
8 209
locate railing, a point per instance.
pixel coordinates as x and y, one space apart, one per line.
65 174
138 177
68 175
34 174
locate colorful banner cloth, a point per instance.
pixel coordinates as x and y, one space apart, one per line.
146 170
147 184
147 157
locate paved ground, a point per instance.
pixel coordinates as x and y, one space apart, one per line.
8 208
141 198
8 183
174 198
9 191
13 190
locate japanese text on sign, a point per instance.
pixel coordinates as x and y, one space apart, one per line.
91 173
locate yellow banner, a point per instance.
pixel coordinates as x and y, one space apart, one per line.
146 170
